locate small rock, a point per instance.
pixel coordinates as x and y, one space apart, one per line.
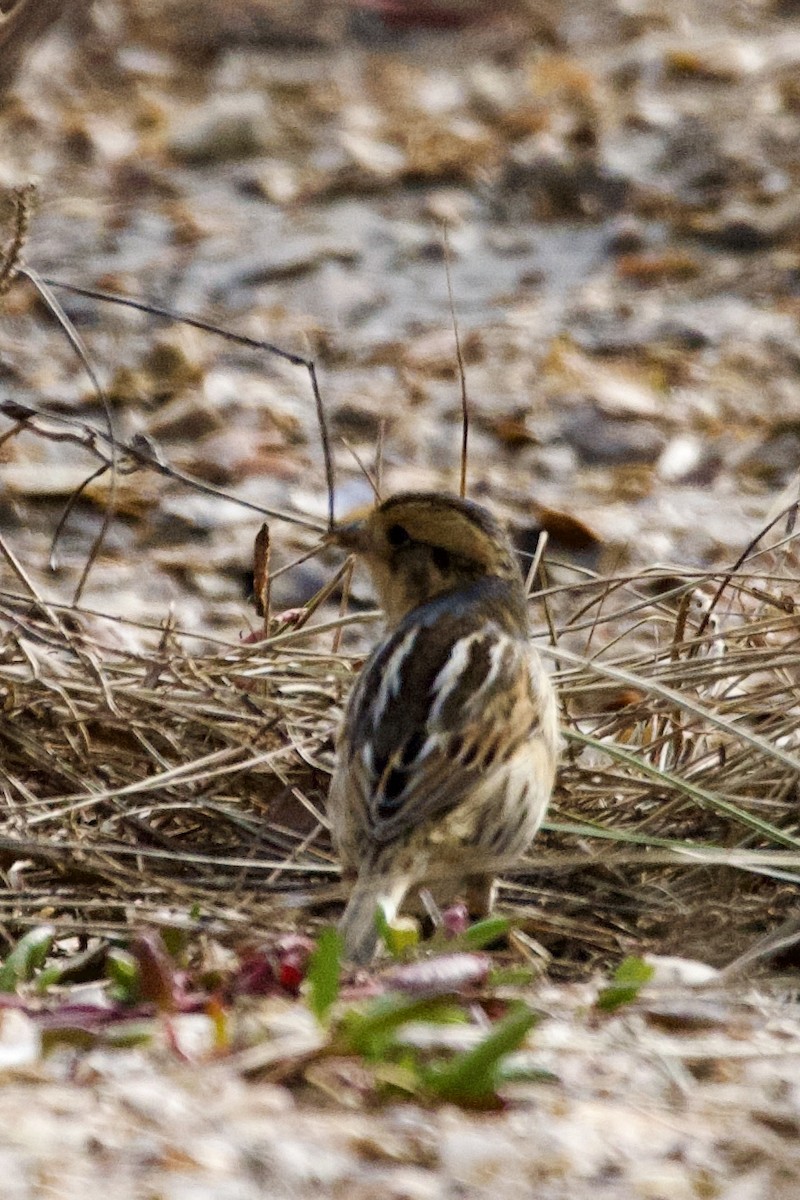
230 127
673 971
687 459
280 182
380 161
20 1042
604 441
627 236
744 227
654 268
185 418
776 459
450 206
719 61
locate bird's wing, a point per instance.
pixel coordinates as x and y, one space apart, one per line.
436 706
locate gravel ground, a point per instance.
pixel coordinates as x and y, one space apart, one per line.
680 1097
620 186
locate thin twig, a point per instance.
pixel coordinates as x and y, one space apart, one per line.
68 329
239 339
462 486
363 468
139 451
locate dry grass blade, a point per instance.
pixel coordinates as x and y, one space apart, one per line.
22 201
462 375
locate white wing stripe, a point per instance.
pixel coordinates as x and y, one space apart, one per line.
450 675
497 653
392 677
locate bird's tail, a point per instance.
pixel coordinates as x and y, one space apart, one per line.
359 922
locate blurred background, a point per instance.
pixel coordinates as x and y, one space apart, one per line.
619 184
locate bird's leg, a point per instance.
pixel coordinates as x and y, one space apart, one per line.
480 892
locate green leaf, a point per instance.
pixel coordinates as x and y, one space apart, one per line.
27 957
382 923
483 933
176 940
634 970
629 978
126 1034
516 1072
399 936
123 971
370 1031
513 976
324 973
400 1076
83 966
47 977
73 1036
472 1076
158 983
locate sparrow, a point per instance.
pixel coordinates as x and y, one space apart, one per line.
446 755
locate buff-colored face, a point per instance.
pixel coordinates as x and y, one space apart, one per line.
418 545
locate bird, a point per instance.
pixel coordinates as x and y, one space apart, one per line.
446 755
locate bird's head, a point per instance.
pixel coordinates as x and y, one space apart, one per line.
419 545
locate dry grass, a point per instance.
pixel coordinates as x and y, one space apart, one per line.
163 781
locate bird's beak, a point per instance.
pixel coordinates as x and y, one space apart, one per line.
352 535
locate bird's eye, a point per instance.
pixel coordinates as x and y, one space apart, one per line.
397 536
441 558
